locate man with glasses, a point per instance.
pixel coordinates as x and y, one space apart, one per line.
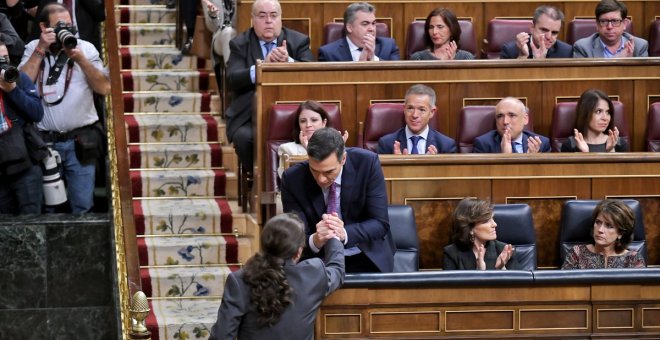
266 40
610 41
541 41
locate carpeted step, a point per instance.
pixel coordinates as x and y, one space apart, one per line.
176 319
178 183
159 58
192 250
187 281
145 15
196 155
147 34
193 81
167 102
171 128
185 216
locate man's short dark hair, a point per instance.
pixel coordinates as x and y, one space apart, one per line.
51 8
349 13
324 142
553 13
606 6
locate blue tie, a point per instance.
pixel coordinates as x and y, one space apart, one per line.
269 47
517 147
415 140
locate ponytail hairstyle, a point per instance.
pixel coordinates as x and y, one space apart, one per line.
264 273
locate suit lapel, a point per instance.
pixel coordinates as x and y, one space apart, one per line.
498 142
379 47
347 186
401 137
255 47
314 195
598 49
345 50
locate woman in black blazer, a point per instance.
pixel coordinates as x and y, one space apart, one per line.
274 296
474 240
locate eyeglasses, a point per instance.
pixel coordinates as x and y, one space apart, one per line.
614 22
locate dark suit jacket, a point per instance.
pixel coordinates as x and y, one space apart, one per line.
590 47
363 204
559 50
457 258
245 50
490 141
311 281
443 143
338 50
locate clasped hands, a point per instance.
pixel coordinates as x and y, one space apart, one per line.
330 226
480 252
368 47
278 54
533 142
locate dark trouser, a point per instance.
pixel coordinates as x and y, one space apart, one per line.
189 13
243 141
360 263
22 193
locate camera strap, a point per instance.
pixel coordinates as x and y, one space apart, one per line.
54 74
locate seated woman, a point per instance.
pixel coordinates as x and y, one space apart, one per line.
612 231
474 240
310 116
442 34
273 296
594 126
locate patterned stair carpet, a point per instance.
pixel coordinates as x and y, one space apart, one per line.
189 239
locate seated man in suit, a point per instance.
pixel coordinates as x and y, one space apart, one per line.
266 40
360 42
417 137
341 191
611 41
510 137
541 41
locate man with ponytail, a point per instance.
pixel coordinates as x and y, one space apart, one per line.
274 296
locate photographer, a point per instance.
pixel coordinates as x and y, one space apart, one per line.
20 177
67 72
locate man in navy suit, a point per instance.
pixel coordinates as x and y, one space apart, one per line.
360 42
417 137
266 40
510 137
542 41
341 191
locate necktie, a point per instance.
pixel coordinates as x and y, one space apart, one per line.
331 206
517 147
269 46
415 140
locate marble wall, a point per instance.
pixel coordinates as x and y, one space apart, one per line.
57 278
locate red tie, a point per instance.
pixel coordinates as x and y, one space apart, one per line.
331 207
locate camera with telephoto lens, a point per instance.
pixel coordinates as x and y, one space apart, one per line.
8 72
54 189
66 35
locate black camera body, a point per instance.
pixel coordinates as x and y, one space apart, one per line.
8 72
66 35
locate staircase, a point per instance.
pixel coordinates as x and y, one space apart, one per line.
184 184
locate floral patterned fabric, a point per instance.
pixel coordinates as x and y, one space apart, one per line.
580 257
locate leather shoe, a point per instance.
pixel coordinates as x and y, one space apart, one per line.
187 47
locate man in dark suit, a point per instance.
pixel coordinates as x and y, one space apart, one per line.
611 40
542 41
266 40
343 191
360 42
417 137
510 137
